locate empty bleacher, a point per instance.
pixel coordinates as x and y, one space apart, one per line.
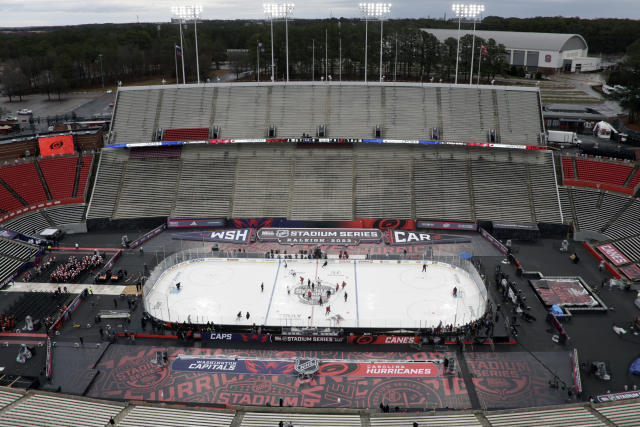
404 110
261 419
65 214
330 183
560 417
60 175
155 152
156 416
148 188
107 183
44 409
263 181
186 134
382 183
567 167
32 223
627 223
601 171
14 253
16 249
206 180
441 185
622 414
8 201
452 420
500 189
7 397
87 164
23 178
630 247
323 185
594 209
34 408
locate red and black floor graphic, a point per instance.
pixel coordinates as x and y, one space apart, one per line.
261 377
516 380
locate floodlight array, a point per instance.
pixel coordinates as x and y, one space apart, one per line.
278 10
467 10
187 12
375 10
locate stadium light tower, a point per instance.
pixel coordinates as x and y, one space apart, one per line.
279 11
465 11
373 11
479 9
186 13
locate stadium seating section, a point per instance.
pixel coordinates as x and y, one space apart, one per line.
60 175
329 183
619 176
32 408
13 254
186 134
32 223
65 177
407 111
23 178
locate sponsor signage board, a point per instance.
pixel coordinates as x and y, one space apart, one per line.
631 271
467 226
614 397
403 237
196 222
306 338
393 369
613 254
240 235
383 339
216 336
320 236
492 240
56 145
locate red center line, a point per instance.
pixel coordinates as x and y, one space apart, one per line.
312 304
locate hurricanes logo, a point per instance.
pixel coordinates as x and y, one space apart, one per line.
56 145
318 291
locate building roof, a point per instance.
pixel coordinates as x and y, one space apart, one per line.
517 40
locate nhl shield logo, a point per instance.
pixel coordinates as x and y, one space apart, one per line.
306 366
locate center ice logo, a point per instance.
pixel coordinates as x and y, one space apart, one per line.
308 295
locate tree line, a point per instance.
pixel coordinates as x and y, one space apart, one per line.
54 60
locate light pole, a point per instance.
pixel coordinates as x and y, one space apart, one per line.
258 59
187 13
465 11
101 73
379 11
279 11
176 10
475 11
313 59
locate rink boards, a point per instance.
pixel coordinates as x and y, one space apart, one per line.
379 294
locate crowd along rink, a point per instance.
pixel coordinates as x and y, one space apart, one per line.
275 292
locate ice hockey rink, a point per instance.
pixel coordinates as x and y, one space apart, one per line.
379 294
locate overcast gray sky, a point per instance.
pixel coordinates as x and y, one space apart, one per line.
71 12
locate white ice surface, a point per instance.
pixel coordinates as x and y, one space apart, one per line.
380 293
